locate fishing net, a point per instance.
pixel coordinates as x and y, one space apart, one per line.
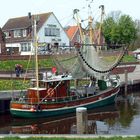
88 60
90 56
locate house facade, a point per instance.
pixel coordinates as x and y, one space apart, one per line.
73 34
19 33
2 42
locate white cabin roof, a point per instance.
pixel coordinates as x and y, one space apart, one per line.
35 88
58 78
55 78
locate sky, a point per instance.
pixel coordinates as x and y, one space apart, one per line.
63 9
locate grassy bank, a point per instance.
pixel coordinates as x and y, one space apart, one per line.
14 84
9 65
43 63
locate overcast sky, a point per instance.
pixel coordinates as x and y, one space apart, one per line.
63 8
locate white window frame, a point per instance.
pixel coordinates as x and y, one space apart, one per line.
24 32
52 31
17 33
25 47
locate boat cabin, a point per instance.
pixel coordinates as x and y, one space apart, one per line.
56 86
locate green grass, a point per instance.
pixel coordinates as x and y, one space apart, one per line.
129 58
9 65
126 58
18 84
13 84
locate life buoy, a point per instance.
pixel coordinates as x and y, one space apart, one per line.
50 92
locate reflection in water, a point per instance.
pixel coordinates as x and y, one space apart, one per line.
121 118
59 125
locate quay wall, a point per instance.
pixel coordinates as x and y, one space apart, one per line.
5 98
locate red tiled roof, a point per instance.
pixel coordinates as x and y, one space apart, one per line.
24 22
71 31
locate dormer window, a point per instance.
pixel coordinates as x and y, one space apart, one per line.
17 33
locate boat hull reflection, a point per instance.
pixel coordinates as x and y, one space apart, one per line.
63 125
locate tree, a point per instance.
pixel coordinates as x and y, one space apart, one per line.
136 43
119 30
128 29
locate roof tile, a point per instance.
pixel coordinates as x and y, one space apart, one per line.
24 22
71 31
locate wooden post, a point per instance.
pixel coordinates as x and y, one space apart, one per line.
76 83
126 82
81 117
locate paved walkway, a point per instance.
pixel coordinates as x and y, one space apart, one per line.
132 76
13 75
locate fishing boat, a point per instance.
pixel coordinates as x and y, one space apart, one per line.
86 84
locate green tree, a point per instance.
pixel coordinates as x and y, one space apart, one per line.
108 26
119 30
128 29
136 43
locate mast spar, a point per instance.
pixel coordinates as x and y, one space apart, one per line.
75 12
36 57
101 22
36 54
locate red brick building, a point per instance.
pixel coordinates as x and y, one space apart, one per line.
2 43
73 34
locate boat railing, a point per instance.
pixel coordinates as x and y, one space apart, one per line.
75 94
50 100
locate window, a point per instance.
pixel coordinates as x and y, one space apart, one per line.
7 34
25 47
57 32
24 32
17 33
52 32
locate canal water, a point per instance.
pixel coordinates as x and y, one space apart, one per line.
121 118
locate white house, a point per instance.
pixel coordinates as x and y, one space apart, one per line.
19 33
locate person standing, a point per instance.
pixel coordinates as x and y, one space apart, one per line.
17 70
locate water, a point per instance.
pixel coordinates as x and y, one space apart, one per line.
122 118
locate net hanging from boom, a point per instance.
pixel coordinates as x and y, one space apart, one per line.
89 57
87 60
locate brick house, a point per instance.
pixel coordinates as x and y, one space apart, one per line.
73 34
2 42
19 33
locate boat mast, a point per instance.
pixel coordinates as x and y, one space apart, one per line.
91 30
75 12
90 22
101 22
36 55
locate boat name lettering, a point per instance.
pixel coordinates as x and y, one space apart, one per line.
26 106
